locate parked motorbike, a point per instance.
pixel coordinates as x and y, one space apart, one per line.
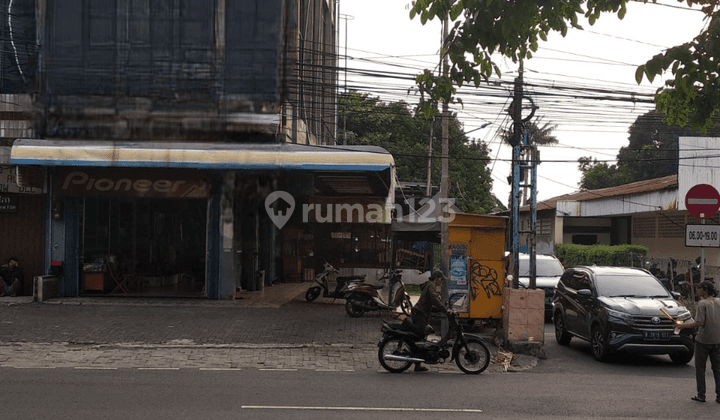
362 297
323 279
400 347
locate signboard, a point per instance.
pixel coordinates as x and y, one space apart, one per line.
8 203
132 183
702 201
8 182
458 285
702 236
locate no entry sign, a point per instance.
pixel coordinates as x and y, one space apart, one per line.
702 201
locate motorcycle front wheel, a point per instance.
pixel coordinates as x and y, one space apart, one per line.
472 358
312 293
396 347
352 309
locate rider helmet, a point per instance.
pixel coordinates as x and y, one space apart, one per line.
438 274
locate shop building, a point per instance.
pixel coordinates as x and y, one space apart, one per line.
159 129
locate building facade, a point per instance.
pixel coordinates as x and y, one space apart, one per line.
160 129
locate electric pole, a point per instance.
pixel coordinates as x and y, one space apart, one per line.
428 185
521 147
444 178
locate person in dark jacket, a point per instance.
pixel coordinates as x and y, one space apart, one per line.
12 278
429 301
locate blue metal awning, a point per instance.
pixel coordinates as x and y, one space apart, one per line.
238 156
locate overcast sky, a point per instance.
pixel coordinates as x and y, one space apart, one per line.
582 83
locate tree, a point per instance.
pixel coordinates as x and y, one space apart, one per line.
391 125
514 28
537 135
600 175
652 152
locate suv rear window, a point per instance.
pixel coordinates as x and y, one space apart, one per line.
629 286
543 267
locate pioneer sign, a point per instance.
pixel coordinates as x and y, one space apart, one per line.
134 183
702 201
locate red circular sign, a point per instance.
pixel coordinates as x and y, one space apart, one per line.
702 201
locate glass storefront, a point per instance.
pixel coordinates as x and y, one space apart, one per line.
143 246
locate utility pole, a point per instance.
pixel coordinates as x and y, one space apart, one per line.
445 180
428 185
521 146
515 191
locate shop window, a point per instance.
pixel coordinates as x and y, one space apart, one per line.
584 239
160 240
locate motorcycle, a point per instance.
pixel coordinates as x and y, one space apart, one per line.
400 347
363 297
323 279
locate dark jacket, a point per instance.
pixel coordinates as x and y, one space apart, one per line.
9 275
429 300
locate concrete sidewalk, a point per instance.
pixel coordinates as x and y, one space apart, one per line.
275 328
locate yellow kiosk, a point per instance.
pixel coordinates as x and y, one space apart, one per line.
477 265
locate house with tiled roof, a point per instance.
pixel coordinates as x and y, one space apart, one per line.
646 213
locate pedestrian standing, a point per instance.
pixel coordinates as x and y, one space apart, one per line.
707 341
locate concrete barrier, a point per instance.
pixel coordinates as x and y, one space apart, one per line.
45 287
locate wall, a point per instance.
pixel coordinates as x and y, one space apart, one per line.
23 236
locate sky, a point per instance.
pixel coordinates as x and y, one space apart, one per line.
575 81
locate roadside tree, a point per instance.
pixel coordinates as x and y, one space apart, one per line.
483 29
406 135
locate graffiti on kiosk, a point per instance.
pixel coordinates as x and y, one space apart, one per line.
485 278
82 182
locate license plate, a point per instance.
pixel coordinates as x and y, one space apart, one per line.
656 335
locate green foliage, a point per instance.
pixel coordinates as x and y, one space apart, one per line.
392 126
513 29
616 255
510 28
652 152
600 175
692 96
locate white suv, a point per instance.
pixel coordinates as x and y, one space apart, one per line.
548 270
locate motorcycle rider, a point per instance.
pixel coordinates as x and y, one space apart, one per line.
429 300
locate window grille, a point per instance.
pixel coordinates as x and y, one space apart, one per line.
643 226
671 226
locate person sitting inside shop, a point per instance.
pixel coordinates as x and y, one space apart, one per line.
12 278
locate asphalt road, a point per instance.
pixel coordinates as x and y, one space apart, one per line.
650 392
569 384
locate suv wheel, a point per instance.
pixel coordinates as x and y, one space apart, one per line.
681 358
561 335
598 344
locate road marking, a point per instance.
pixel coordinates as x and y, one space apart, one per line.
295 407
280 370
220 369
158 368
34 367
94 368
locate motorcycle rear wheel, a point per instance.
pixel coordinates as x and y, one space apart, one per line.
353 310
312 293
394 346
472 358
